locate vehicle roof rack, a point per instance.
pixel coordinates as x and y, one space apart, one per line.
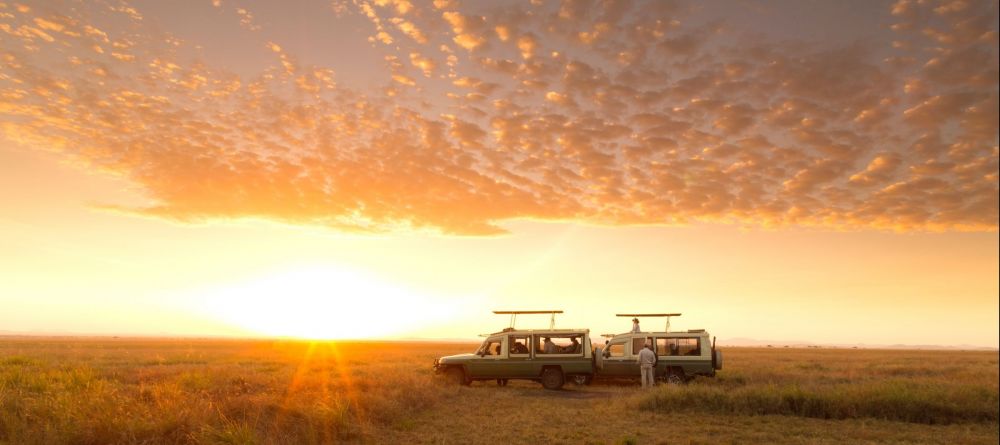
667 329
514 314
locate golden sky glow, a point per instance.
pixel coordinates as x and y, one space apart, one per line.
776 170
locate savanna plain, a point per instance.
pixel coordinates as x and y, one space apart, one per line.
181 391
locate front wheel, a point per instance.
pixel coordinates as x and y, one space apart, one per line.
457 375
552 378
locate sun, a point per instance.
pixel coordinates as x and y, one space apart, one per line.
321 302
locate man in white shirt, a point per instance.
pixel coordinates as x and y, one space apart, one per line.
647 361
635 325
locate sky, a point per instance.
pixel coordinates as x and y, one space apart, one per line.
805 171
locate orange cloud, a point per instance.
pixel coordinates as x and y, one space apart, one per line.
627 116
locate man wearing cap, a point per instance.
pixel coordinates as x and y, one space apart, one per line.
647 363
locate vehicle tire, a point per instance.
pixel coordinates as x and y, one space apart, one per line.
674 377
552 378
501 382
457 375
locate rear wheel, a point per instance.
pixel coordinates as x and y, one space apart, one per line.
674 377
582 379
457 375
552 378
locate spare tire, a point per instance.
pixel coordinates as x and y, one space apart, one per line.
717 359
599 358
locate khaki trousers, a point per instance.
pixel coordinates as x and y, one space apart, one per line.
647 376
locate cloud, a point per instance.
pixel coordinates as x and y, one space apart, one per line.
470 31
410 29
247 20
426 65
620 113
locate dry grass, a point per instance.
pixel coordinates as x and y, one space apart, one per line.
102 391
932 388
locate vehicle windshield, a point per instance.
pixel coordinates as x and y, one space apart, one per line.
490 347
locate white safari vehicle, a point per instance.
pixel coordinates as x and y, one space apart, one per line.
680 354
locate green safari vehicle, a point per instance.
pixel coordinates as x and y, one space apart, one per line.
549 356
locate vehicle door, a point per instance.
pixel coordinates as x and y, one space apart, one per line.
616 361
666 353
638 343
519 362
489 358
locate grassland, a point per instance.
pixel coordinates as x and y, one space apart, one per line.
103 391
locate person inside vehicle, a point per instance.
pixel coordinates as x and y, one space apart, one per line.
573 348
635 325
548 346
518 348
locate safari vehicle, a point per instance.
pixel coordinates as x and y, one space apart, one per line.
680 354
550 356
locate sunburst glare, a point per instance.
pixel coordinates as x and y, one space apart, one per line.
321 302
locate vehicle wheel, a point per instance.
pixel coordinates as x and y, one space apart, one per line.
552 378
457 375
674 377
582 379
501 382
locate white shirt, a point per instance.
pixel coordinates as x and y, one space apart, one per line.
646 358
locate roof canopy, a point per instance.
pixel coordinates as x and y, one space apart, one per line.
526 312
649 315
514 314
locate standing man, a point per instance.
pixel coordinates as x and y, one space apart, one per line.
635 325
647 363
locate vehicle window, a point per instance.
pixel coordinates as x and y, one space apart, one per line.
519 345
559 344
666 346
616 349
638 343
490 347
689 346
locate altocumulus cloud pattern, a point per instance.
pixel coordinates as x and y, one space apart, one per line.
604 112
